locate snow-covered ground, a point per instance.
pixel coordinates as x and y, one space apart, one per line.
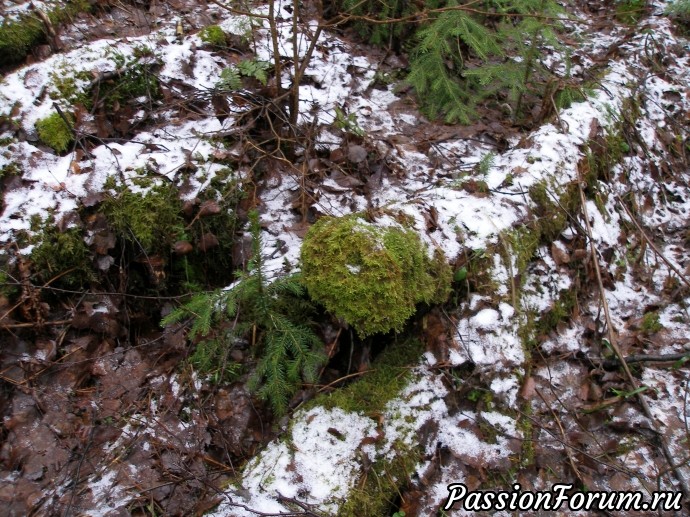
541 394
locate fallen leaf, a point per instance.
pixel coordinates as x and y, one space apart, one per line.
560 256
209 207
208 241
528 390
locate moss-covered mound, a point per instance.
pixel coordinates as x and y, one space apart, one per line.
372 277
54 132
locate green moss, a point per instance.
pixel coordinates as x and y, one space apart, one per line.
379 488
650 323
213 35
370 394
369 276
483 396
54 132
552 208
70 85
61 254
523 243
152 220
19 36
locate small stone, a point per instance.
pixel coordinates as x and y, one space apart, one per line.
356 153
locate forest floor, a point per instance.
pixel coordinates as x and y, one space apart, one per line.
569 238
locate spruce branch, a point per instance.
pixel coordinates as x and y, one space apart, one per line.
287 350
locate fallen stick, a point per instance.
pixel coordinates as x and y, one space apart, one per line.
51 34
612 363
33 324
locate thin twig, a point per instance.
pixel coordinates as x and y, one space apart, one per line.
680 476
344 378
652 245
33 324
645 358
566 448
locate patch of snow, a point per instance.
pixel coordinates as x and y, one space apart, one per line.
421 401
506 388
486 319
108 493
318 465
353 269
488 343
569 340
458 436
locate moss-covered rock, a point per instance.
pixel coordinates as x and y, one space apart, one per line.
372 277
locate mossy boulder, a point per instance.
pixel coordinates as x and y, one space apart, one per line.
371 276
